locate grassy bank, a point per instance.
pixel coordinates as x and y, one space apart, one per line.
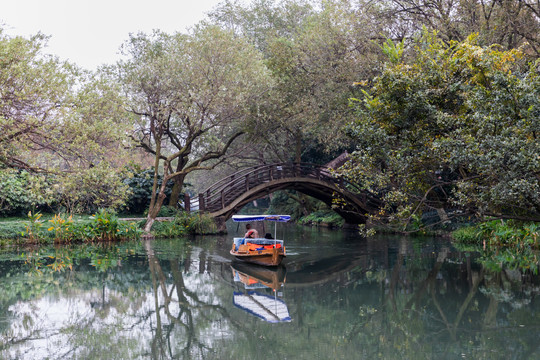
40 228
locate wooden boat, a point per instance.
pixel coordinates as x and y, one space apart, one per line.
265 251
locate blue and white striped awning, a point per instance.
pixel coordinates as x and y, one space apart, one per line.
249 218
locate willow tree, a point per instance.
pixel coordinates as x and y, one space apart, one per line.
192 94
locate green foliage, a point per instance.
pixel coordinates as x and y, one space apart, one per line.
393 51
88 190
510 233
185 224
21 192
281 203
59 121
62 226
322 217
34 89
33 226
105 226
467 235
507 244
500 233
140 189
455 127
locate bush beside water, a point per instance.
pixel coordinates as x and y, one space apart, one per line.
504 244
185 224
500 233
323 218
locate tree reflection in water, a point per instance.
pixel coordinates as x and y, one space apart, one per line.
377 298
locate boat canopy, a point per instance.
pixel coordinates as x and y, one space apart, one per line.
250 218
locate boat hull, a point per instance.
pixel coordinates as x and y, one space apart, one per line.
272 257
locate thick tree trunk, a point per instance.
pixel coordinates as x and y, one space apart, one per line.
176 190
156 174
178 183
154 211
157 201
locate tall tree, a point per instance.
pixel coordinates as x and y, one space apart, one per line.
509 23
457 126
315 50
192 94
56 119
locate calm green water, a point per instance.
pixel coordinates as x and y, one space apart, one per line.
338 296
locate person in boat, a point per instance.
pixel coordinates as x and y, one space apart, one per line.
268 236
251 233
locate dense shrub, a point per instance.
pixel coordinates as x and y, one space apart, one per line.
185 224
140 184
21 192
503 244
500 233
326 217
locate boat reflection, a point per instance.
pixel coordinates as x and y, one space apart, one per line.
256 297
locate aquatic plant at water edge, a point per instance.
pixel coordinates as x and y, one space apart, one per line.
105 226
505 244
500 233
33 226
62 226
197 223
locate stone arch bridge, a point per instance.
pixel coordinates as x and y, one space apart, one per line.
229 195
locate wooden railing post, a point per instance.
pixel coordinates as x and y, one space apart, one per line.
187 204
202 208
222 199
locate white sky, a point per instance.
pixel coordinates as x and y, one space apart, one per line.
90 32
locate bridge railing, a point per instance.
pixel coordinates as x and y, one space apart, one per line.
223 192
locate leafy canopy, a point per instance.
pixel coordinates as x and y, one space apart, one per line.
456 126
